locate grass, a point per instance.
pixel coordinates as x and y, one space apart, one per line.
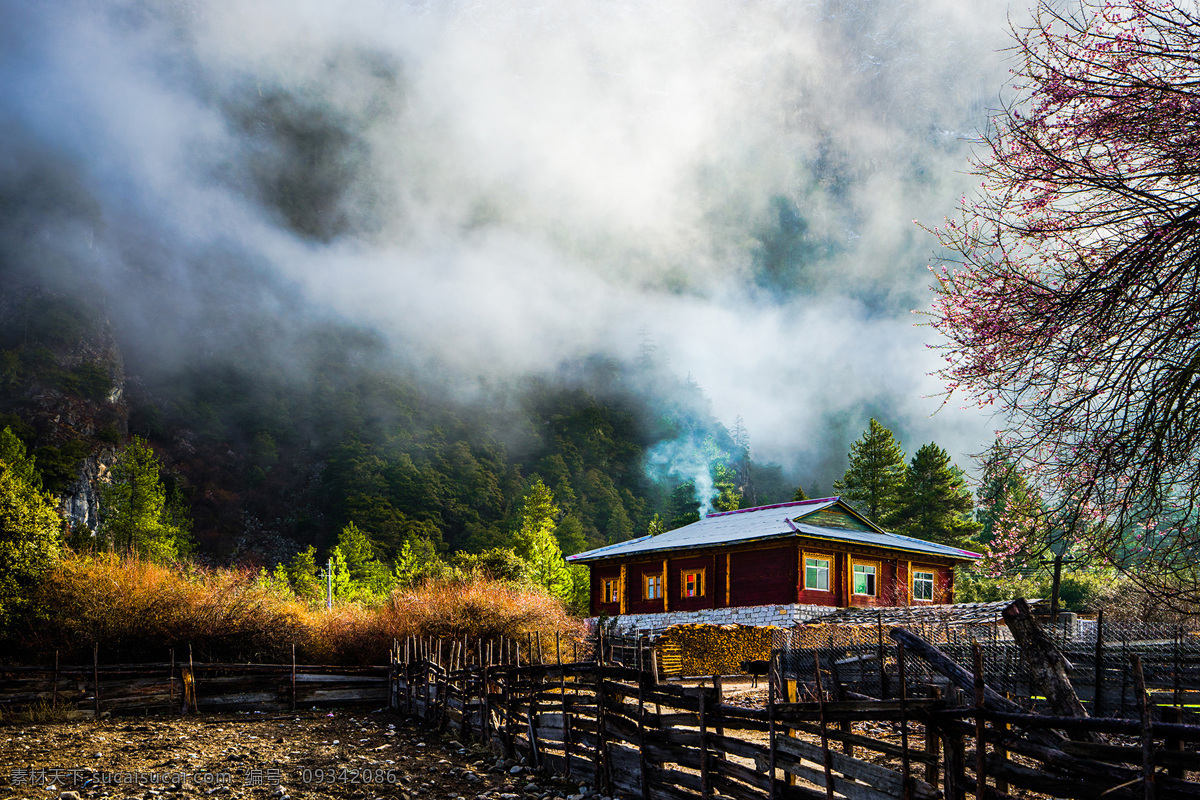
139 611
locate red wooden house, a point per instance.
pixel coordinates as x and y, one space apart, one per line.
814 552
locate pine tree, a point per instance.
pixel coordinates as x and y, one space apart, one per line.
535 542
936 504
799 495
873 482
136 515
366 571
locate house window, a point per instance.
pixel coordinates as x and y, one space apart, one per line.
816 574
864 579
691 583
922 585
612 591
652 587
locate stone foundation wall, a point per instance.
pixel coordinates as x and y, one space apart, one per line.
781 615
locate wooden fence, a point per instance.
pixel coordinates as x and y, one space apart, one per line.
618 729
173 688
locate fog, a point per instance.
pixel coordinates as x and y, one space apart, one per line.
498 188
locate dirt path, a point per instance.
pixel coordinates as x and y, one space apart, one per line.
347 755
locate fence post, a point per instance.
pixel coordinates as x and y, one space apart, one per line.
826 757
905 764
705 785
294 679
980 740
645 778
562 690
1098 697
932 746
506 698
170 679
603 765
954 781
96 675
883 678
1174 744
1179 666
1139 682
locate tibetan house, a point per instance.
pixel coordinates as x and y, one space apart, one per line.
811 553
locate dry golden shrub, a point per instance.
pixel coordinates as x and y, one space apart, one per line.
140 610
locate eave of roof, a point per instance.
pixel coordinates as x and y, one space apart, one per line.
770 522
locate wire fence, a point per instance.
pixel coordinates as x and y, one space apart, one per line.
862 656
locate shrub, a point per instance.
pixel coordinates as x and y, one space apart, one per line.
137 609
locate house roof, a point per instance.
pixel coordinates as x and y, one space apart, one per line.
803 518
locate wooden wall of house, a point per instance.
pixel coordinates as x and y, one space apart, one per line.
601 573
634 602
706 564
763 576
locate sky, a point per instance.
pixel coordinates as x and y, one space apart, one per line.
498 188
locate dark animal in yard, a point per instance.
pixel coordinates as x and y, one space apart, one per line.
756 667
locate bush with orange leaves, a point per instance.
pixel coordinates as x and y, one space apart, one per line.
138 611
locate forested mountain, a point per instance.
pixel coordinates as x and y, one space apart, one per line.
272 455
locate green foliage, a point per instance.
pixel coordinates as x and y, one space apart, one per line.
417 562
365 572
682 506
135 515
935 502
497 564
60 465
536 544
873 481
302 573
30 531
88 380
799 495
1083 590
656 526
725 478
1002 485
23 466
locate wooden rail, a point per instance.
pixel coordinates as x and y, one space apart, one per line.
172 688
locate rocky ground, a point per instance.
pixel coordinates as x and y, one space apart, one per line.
347 755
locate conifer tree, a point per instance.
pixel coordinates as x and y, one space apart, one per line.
874 479
136 515
535 542
935 502
363 566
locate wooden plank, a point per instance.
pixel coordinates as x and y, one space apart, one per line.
883 778
848 789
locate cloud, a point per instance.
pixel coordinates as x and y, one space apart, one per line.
498 187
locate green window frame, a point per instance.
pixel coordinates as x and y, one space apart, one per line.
816 574
865 577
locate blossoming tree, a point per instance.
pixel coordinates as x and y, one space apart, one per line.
1074 306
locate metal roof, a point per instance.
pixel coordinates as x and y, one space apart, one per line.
769 522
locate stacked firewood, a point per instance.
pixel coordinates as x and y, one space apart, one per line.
718 649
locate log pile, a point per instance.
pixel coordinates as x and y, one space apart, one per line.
715 649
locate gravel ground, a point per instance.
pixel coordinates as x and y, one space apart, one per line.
347 755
